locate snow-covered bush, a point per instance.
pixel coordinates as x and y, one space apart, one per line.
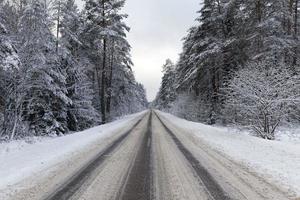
261 94
186 106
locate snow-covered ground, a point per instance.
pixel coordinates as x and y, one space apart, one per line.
289 134
276 161
22 159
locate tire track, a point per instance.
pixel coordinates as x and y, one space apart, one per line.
212 186
69 188
236 179
175 178
138 185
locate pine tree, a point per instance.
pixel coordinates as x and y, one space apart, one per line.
9 17
229 35
120 60
167 92
201 64
81 114
106 36
128 95
66 63
9 66
43 85
104 26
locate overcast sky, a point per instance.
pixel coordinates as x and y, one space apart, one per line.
157 29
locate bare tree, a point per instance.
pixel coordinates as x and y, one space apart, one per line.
262 93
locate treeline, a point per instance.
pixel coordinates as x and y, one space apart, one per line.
240 64
62 69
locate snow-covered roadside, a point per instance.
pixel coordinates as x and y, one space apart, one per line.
19 159
276 161
284 134
289 134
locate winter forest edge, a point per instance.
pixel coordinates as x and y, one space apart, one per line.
239 66
64 70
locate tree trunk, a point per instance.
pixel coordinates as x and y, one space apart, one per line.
222 21
4 125
103 73
259 20
103 83
109 95
291 3
16 117
5 113
259 10
57 27
295 33
13 132
296 18
214 98
97 82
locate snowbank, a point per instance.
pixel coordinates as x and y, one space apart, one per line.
276 161
20 159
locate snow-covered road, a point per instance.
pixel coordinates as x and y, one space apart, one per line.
150 155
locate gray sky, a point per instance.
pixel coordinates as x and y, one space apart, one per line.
157 27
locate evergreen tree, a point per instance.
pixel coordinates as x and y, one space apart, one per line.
68 65
230 34
104 23
128 95
167 92
201 64
9 66
81 114
43 84
105 35
119 65
267 25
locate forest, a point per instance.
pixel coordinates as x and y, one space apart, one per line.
240 65
63 69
